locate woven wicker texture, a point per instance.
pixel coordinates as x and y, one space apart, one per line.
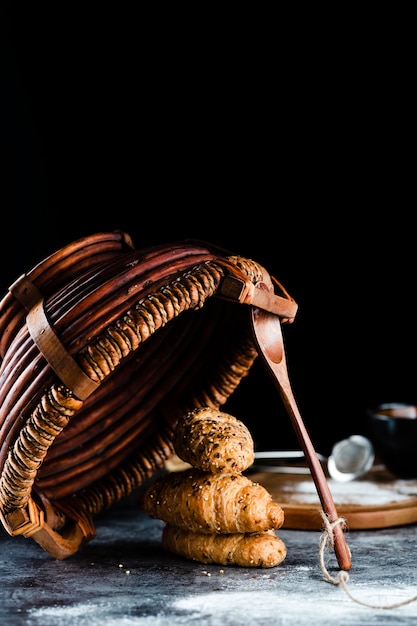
144 328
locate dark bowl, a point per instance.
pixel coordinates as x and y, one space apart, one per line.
392 428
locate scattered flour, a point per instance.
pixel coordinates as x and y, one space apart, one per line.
355 492
296 607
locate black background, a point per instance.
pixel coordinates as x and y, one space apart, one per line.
296 150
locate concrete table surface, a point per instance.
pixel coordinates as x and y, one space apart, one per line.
123 577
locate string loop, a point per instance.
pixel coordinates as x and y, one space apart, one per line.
342 577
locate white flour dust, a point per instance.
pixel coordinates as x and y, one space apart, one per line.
295 607
357 491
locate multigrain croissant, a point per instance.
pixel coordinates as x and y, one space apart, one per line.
214 441
208 502
262 549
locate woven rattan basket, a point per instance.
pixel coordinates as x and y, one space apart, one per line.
102 348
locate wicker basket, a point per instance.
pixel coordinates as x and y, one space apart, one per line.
103 347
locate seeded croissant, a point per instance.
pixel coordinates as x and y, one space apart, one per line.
262 549
211 502
214 441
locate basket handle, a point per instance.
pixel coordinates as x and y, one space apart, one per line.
31 522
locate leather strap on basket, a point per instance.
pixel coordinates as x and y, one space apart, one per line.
239 289
48 342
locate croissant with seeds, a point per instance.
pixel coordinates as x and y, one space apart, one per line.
263 549
214 441
213 513
210 502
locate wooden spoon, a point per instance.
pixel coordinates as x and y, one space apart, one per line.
268 336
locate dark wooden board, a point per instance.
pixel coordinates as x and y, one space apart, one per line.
377 500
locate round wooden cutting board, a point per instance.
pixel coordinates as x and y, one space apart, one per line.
377 500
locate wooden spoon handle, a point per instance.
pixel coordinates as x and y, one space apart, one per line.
268 335
323 490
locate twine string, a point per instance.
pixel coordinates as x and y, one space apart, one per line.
342 577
